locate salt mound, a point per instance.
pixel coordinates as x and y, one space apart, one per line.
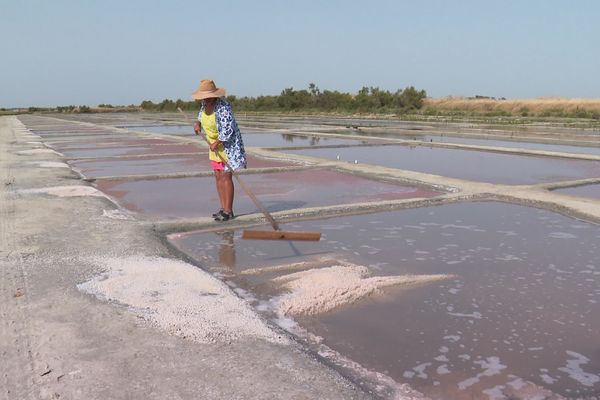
179 298
321 261
320 290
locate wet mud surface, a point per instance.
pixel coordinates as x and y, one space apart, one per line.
465 164
521 309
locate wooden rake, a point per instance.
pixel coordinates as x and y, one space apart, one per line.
276 233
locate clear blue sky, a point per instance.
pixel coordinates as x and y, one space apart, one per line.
64 52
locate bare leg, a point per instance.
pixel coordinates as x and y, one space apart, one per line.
218 179
228 191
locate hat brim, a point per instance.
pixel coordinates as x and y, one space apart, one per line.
201 95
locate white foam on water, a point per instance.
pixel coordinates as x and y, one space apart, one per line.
517 383
420 370
408 374
508 257
415 227
495 393
452 338
462 385
491 366
442 369
336 227
548 379
535 348
562 235
472 228
508 233
575 372
474 315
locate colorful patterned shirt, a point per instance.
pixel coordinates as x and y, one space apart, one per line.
229 134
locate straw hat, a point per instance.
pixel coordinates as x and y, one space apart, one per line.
207 89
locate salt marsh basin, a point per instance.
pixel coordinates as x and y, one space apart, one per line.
522 303
474 279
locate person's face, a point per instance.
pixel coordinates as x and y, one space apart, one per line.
210 101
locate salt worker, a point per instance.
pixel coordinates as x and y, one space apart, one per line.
226 152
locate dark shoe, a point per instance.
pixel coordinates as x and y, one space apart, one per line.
223 216
215 215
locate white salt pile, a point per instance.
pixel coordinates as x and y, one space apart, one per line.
322 289
179 298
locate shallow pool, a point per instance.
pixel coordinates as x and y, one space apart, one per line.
153 165
197 197
465 164
293 140
592 191
521 312
511 144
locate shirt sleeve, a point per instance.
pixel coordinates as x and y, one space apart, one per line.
225 122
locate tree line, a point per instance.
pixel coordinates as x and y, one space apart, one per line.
313 99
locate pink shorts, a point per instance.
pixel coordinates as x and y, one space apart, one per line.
217 165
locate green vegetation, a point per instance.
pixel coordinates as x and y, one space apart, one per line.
408 104
367 100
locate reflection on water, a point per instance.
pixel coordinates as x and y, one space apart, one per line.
226 249
312 140
473 165
272 139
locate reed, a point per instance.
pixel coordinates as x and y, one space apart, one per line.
540 107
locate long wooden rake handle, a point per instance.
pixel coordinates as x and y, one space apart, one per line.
245 188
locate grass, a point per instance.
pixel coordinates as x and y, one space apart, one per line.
539 108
